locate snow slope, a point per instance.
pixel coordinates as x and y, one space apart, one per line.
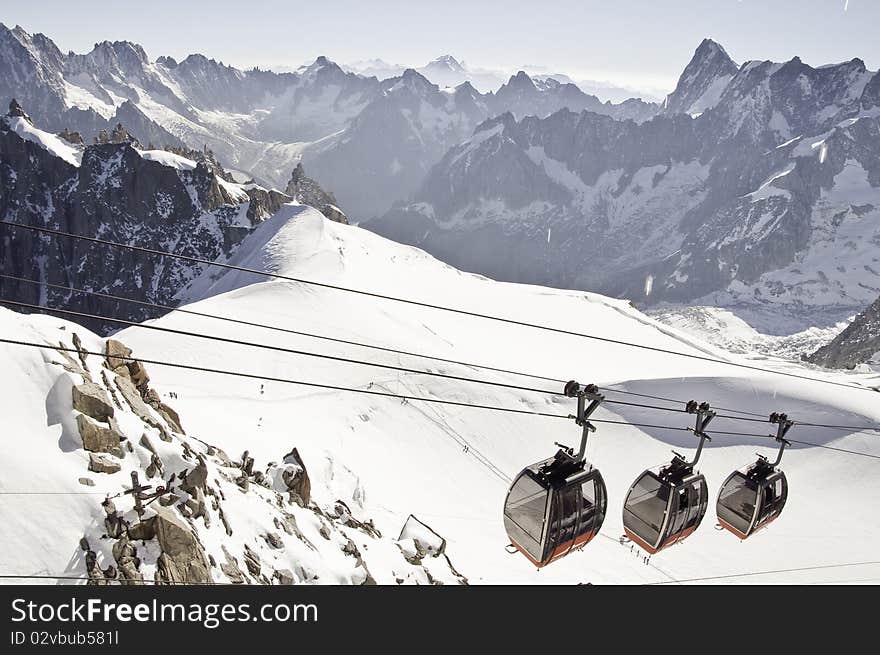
453 464
52 498
450 466
731 330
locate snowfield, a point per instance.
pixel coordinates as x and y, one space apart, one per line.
449 466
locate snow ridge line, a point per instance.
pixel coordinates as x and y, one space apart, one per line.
428 305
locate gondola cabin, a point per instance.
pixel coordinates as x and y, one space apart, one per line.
663 508
753 497
749 500
557 506
554 508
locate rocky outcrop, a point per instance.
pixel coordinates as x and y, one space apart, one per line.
91 399
112 190
101 464
858 343
182 559
98 438
117 357
422 546
178 510
307 191
290 476
16 110
71 137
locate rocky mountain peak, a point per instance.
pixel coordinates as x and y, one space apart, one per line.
446 62
15 109
507 119
703 79
709 49
122 55
521 81
323 66
167 62
37 47
415 82
307 191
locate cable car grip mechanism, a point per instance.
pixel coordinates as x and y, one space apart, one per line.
583 393
783 425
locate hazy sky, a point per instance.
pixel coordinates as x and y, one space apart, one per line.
642 43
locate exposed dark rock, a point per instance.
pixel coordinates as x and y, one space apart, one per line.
252 560
117 354
98 438
285 577
297 478
231 569
125 554
307 191
858 343
101 464
116 193
183 558
74 138
15 109
274 540
91 399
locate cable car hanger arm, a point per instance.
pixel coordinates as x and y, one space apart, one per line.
704 415
583 393
783 425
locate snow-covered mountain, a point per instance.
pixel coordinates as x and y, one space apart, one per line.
446 70
119 190
371 142
702 81
371 460
387 151
256 121
443 71
758 185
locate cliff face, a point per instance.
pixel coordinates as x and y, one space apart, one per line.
115 191
858 344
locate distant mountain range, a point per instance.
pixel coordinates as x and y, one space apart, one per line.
448 71
372 141
752 185
756 184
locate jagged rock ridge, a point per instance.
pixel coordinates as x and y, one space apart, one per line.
117 191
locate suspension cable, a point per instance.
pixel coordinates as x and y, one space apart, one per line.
267 378
393 367
252 344
753 573
181 310
418 303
